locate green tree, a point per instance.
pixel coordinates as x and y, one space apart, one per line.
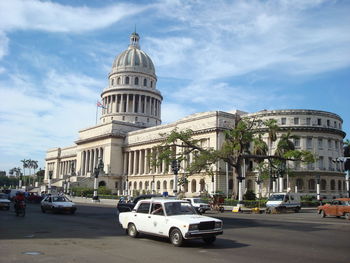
233 151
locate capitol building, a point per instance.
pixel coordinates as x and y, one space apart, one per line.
130 127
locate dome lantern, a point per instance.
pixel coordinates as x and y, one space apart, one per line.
134 41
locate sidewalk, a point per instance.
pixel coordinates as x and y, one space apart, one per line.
84 200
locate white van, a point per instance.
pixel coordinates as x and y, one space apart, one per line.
283 201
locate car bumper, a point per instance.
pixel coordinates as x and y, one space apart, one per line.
4 205
201 234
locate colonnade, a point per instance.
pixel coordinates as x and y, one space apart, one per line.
132 103
65 167
89 159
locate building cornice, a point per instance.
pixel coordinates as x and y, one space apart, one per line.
133 90
293 112
307 129
101 137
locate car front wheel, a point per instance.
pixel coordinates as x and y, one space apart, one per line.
176 237
132 231
347 216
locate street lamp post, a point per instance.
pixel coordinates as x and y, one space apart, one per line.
49 183
318 180
175 166
258 182
97 171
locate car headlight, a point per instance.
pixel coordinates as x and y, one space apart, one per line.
193 227
218 224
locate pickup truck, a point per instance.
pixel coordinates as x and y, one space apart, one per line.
175 219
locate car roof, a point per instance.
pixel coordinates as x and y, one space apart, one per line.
164 200
342 199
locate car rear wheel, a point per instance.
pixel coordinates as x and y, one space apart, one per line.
323 214
176 237
347 216
209 240
132 231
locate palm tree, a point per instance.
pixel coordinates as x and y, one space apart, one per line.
285 144
260 147
25 165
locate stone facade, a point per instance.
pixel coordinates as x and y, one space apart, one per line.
130 126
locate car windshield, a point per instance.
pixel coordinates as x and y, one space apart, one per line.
276 197
60 199
198 200
179 208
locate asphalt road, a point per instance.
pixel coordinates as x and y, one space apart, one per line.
93 235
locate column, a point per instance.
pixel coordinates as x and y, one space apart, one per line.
141 162
146 166
135 162
133 103
121 103
127 103
125 163
130 163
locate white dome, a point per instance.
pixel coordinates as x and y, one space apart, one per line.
133 59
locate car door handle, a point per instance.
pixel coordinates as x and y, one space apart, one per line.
149 216
135 215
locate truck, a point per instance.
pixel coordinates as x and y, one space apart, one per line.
283 201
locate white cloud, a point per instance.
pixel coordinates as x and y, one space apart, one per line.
236 38
55 17
31 122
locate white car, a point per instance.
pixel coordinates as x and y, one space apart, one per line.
175 219
200 205
4 201
57 204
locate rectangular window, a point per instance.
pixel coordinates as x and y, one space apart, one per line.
329 144
143 208
330 164
319 122
283 121
309 143
308 121
297 143
328 123
320 143
335 124
320 163
296 121
336 145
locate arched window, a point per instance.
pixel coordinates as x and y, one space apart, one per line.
146 185
116 185
230 184
127 80
171 184
145 82
135 185
323 185
165 186
284 184
151 84
332 185
102 183
140 185
300 184
136 81
202 185
130 185
158 185
118 81
194 186
112 82
339 185
311 184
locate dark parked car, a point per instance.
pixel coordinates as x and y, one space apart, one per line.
124 206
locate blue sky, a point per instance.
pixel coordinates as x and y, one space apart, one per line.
55 57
